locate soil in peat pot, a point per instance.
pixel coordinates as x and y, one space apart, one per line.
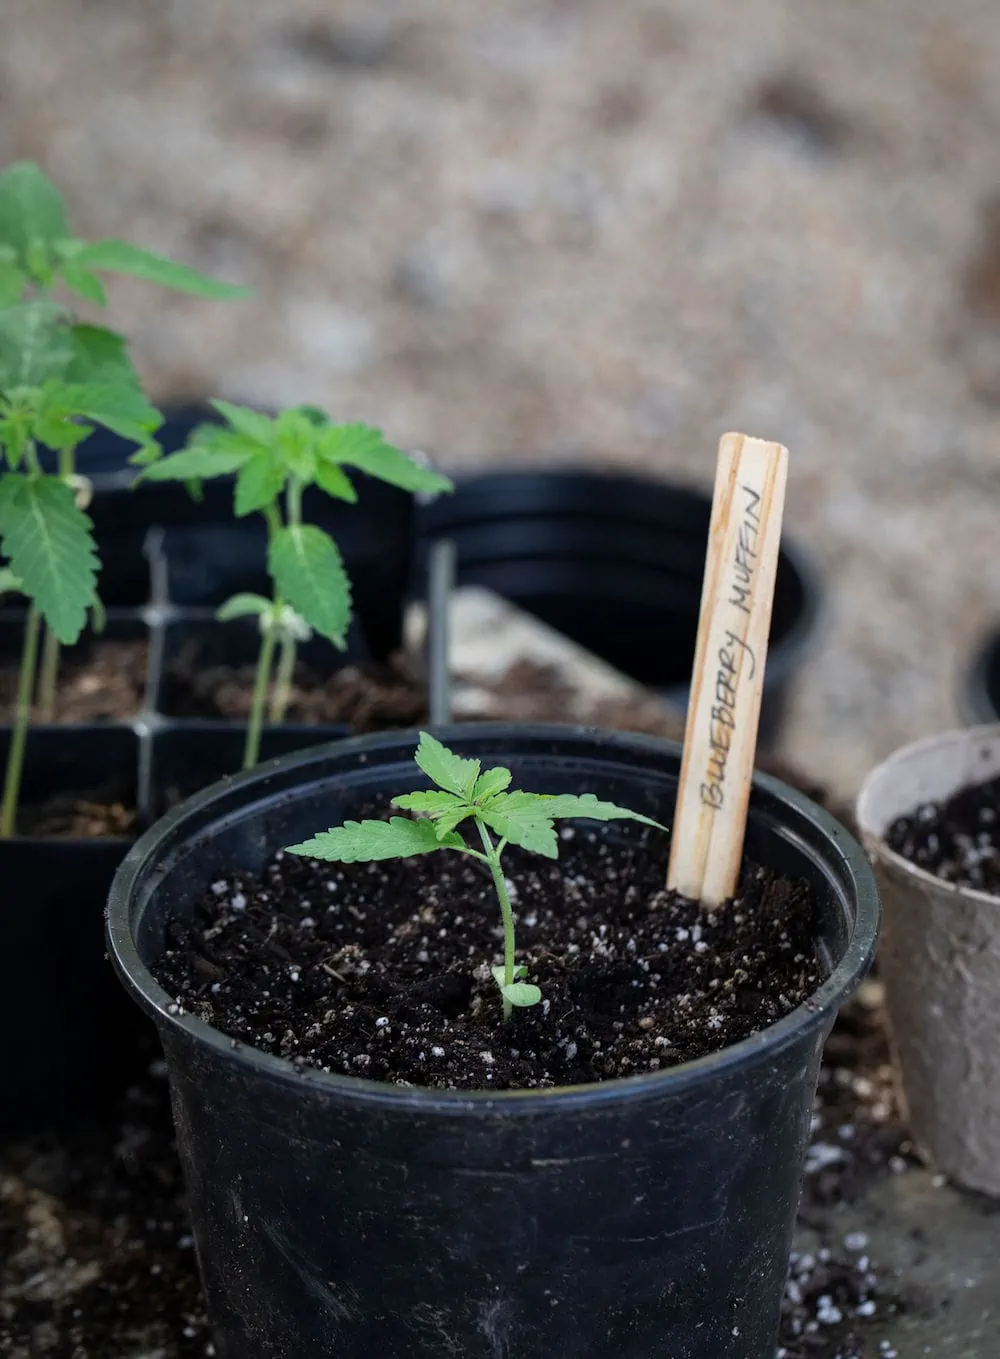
383 970
102 681
957 840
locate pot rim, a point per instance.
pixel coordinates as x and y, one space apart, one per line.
146 990
874 839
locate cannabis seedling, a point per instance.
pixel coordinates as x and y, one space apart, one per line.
274 461
58 380
466 791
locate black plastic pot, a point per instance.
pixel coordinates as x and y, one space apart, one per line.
639 1218
616 563
981 698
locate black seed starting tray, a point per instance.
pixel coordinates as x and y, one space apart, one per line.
70 1038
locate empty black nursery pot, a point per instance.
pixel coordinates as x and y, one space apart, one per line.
616 563
981 699
637 1218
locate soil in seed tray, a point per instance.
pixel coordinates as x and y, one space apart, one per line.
101 812
383 970
957 840
103 681
366 698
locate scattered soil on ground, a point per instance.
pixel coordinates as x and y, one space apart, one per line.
98 1260
383 970
957 840
103 681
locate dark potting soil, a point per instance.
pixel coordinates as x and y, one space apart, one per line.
366 698
99 681
383 970
957 840
91 814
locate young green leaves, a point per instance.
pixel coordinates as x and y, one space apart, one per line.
38 247
466 792
274 461
281 457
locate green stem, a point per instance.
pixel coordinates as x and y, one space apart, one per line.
500 883
48 679
283 680
51 650
293 500
251 752
22 720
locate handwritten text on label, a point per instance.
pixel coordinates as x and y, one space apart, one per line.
731 654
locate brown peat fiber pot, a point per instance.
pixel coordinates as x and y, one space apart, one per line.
930 819
624 1219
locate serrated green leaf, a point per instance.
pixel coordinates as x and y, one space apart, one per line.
365 448
335 482
588 807
521 994
84 283
196 462
259 483
49 544
119 257
100 356
35 344
120 408
367 841
448 822
296 442
13 281
308 572
31 209
250 423
529 830
9 583
433 803
443 767
491 782
243 606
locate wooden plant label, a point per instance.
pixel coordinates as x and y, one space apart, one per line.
724 710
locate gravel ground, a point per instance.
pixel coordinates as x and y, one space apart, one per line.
567 230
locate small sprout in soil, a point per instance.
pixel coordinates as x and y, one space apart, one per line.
59 378
274 461
466 791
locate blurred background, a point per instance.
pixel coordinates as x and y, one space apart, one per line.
571 231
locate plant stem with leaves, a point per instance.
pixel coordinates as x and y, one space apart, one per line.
464 791
275 461
59 378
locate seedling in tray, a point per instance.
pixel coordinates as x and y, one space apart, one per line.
465 792
274 460
58 379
